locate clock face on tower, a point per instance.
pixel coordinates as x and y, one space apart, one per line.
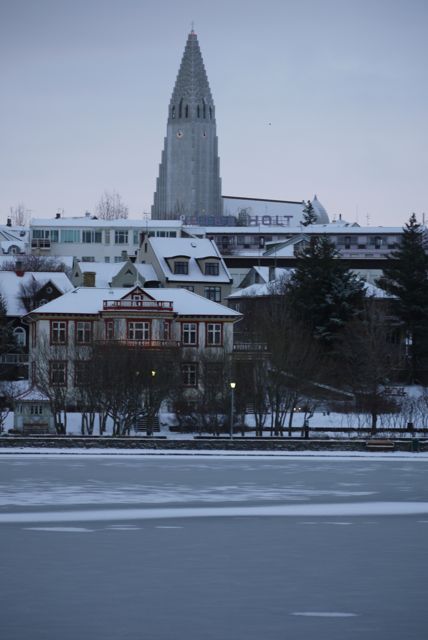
179 133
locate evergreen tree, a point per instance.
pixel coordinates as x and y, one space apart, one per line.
309 215
323 293
406 277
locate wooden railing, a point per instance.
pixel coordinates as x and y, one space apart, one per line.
157 305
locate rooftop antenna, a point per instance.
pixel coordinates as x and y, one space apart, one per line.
192 26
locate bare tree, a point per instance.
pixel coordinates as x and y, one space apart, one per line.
111 207
369 360
51 376
19 215
34 263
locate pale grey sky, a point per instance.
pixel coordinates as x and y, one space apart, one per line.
86 86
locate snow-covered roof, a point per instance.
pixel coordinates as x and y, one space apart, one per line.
146 271
10 286
88 300
193 248
104 271
32 394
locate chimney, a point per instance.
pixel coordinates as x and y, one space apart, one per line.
9 222
89 278
57 216
18 269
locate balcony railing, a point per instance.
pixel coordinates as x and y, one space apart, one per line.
150 305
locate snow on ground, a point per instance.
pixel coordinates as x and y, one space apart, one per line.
279 510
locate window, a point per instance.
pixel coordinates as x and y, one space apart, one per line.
214 374
45 234
165 330
106 258
58 332
91 236
20 336
189 333
58 372
211 268
81 372
121 236
88 259
107 236
181 268
139 330
214 333
189 372
83 332
136 237
36 409
213 293
109 329
70 235
188 287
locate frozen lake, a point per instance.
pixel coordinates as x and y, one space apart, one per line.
118 548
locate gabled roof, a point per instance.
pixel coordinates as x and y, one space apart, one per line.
195 249
87 300
10 287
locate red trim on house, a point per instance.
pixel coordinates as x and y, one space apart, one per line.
58 384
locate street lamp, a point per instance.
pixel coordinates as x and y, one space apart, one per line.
232 394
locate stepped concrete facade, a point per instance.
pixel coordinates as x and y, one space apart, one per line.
189 181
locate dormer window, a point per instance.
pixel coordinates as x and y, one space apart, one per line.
211 268
181 268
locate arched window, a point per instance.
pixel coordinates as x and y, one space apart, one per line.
20 336
198 111
180 108
187 110
173 112
204 109
211 113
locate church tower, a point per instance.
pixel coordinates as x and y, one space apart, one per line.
189 173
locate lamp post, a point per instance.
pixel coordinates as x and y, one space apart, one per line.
150 417
232 398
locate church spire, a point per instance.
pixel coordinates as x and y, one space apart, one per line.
189 174
192 97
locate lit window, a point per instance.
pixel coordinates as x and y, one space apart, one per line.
189 333
214 333
58 332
